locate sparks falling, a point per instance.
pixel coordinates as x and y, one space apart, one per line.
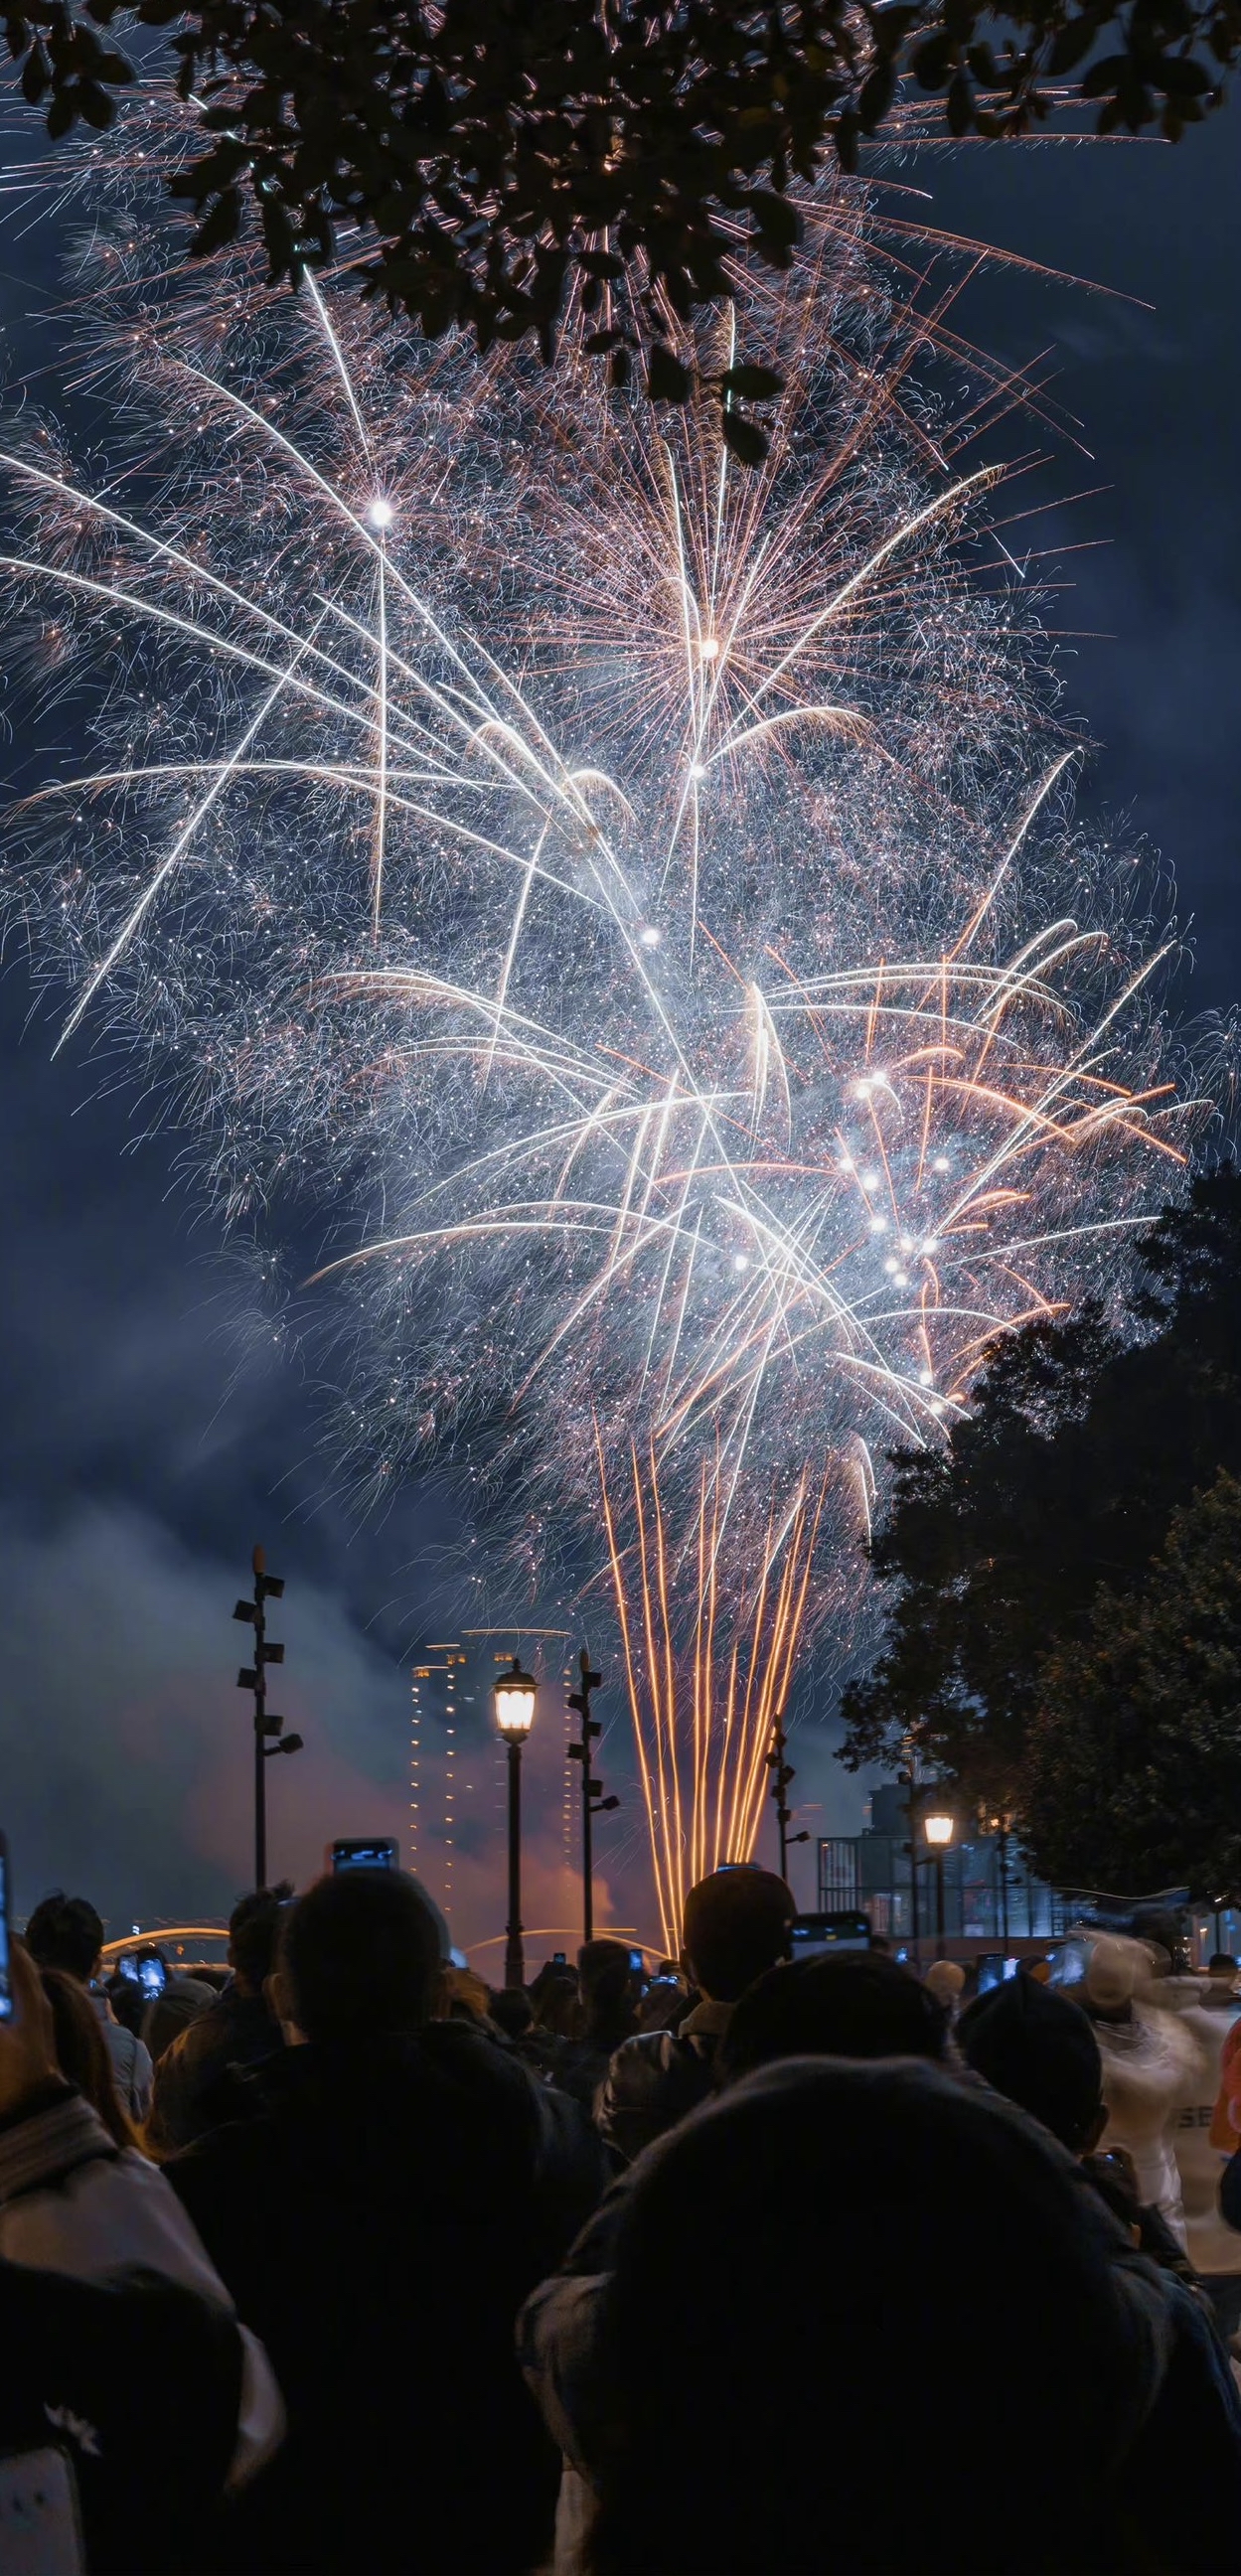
629 904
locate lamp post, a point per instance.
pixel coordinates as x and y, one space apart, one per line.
514 1696
1000 1823
939 1828
908 1779
782 1773
253 1677
593 1801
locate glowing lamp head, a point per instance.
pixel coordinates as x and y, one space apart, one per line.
741 1261
381 513
939 1830
649 936
941 1164
514 1695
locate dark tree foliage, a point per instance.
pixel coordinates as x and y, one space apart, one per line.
1133 1767
1063 1479
488 149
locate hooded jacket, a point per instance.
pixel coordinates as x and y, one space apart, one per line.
90 2372
139 2384
379 2220
1161 2440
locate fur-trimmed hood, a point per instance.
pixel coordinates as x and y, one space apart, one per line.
1151 2064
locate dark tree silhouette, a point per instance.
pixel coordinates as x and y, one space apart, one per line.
490 149
1059 1486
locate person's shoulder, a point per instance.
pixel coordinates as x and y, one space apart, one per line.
202 2037
238 2148
471 2064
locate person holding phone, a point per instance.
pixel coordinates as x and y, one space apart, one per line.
400 2187
610 1984
65 1932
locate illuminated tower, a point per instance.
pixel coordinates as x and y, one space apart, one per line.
457 1779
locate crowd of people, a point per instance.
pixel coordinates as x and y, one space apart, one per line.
342 2262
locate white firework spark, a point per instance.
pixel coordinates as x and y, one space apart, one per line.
631 902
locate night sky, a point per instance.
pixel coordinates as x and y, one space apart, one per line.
152 1423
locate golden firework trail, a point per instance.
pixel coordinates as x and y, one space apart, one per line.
702 1718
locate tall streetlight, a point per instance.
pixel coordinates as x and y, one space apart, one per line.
782 1773
908 1779
253 1677
939 1828
593 1801
514 1696
1000 1823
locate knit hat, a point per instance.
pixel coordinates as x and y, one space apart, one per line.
946 1980
1112 1971
1036 2047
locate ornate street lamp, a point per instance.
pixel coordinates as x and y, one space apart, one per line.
514 1696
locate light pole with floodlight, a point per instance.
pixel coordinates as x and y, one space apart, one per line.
253 1678
513 1694
939 1828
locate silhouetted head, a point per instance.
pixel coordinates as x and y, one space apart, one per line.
253 1932
557 2004
737 1923
511 2010
128 2003
167 2015
945 1979
65 1932
359 1956
81 2050
609 1987
852 2004
1037 2047
768 2251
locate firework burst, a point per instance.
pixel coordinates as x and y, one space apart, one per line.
630 904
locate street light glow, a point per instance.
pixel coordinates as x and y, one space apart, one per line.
514 1695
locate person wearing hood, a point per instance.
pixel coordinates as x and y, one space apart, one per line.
1150 2070
759 2257
1208 2009
401 2185
79 2204
1040 2049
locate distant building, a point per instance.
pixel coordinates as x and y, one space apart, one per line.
456 1764
987 1891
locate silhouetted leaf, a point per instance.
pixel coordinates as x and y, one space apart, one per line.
667 379
753 384
748 442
